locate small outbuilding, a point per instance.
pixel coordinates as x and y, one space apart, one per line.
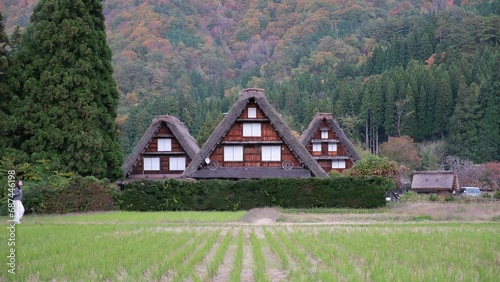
439 182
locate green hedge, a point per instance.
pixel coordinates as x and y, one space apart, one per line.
78 194
349 192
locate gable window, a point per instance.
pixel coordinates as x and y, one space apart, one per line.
338 164
164 144
271 153
324 134
251 130
233 153
177 163
316 147
332 147
252 112
151 164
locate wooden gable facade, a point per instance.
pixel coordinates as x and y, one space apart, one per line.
252 141
164 151
328 144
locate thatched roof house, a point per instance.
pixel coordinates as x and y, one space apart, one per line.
328 144
252 141
435 182
164 151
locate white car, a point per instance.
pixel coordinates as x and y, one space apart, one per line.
471 191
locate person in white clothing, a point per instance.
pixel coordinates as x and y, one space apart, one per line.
17 199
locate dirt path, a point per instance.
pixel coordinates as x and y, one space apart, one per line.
247 271
224 271
201 269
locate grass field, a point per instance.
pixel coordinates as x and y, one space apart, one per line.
194 246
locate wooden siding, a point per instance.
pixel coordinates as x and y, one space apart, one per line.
341 150
163 132
252 153
267 133
244 114
326 165
331 133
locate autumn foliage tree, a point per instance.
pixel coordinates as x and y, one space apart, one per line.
402 150
492 174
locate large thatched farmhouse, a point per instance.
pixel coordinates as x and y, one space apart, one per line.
252 141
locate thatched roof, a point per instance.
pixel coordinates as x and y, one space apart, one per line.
431 181
258 96
178 129
314 125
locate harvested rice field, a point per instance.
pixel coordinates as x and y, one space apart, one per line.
261 245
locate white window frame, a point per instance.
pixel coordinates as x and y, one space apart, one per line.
177 163
252 129
233 153
341 164
164 145
324 134
316 147
271 153
151 164
332 147
252 112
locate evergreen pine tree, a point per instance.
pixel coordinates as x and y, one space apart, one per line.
390 108
408 121
15 38
489 129
5 93
444 101
67 97
463 130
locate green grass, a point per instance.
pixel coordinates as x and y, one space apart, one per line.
219 256
136 217
259 272
238 260
124 248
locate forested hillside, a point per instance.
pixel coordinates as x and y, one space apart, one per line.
427 69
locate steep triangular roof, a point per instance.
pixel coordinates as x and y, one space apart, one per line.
178 129
315 123
258 96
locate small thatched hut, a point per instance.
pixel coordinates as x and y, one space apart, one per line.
440 182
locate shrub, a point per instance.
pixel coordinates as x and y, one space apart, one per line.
410 196
497 195
449 198
354 192
433 197
334 173
79 194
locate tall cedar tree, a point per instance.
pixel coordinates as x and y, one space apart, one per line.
5 93
489 131
464 124
67 97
